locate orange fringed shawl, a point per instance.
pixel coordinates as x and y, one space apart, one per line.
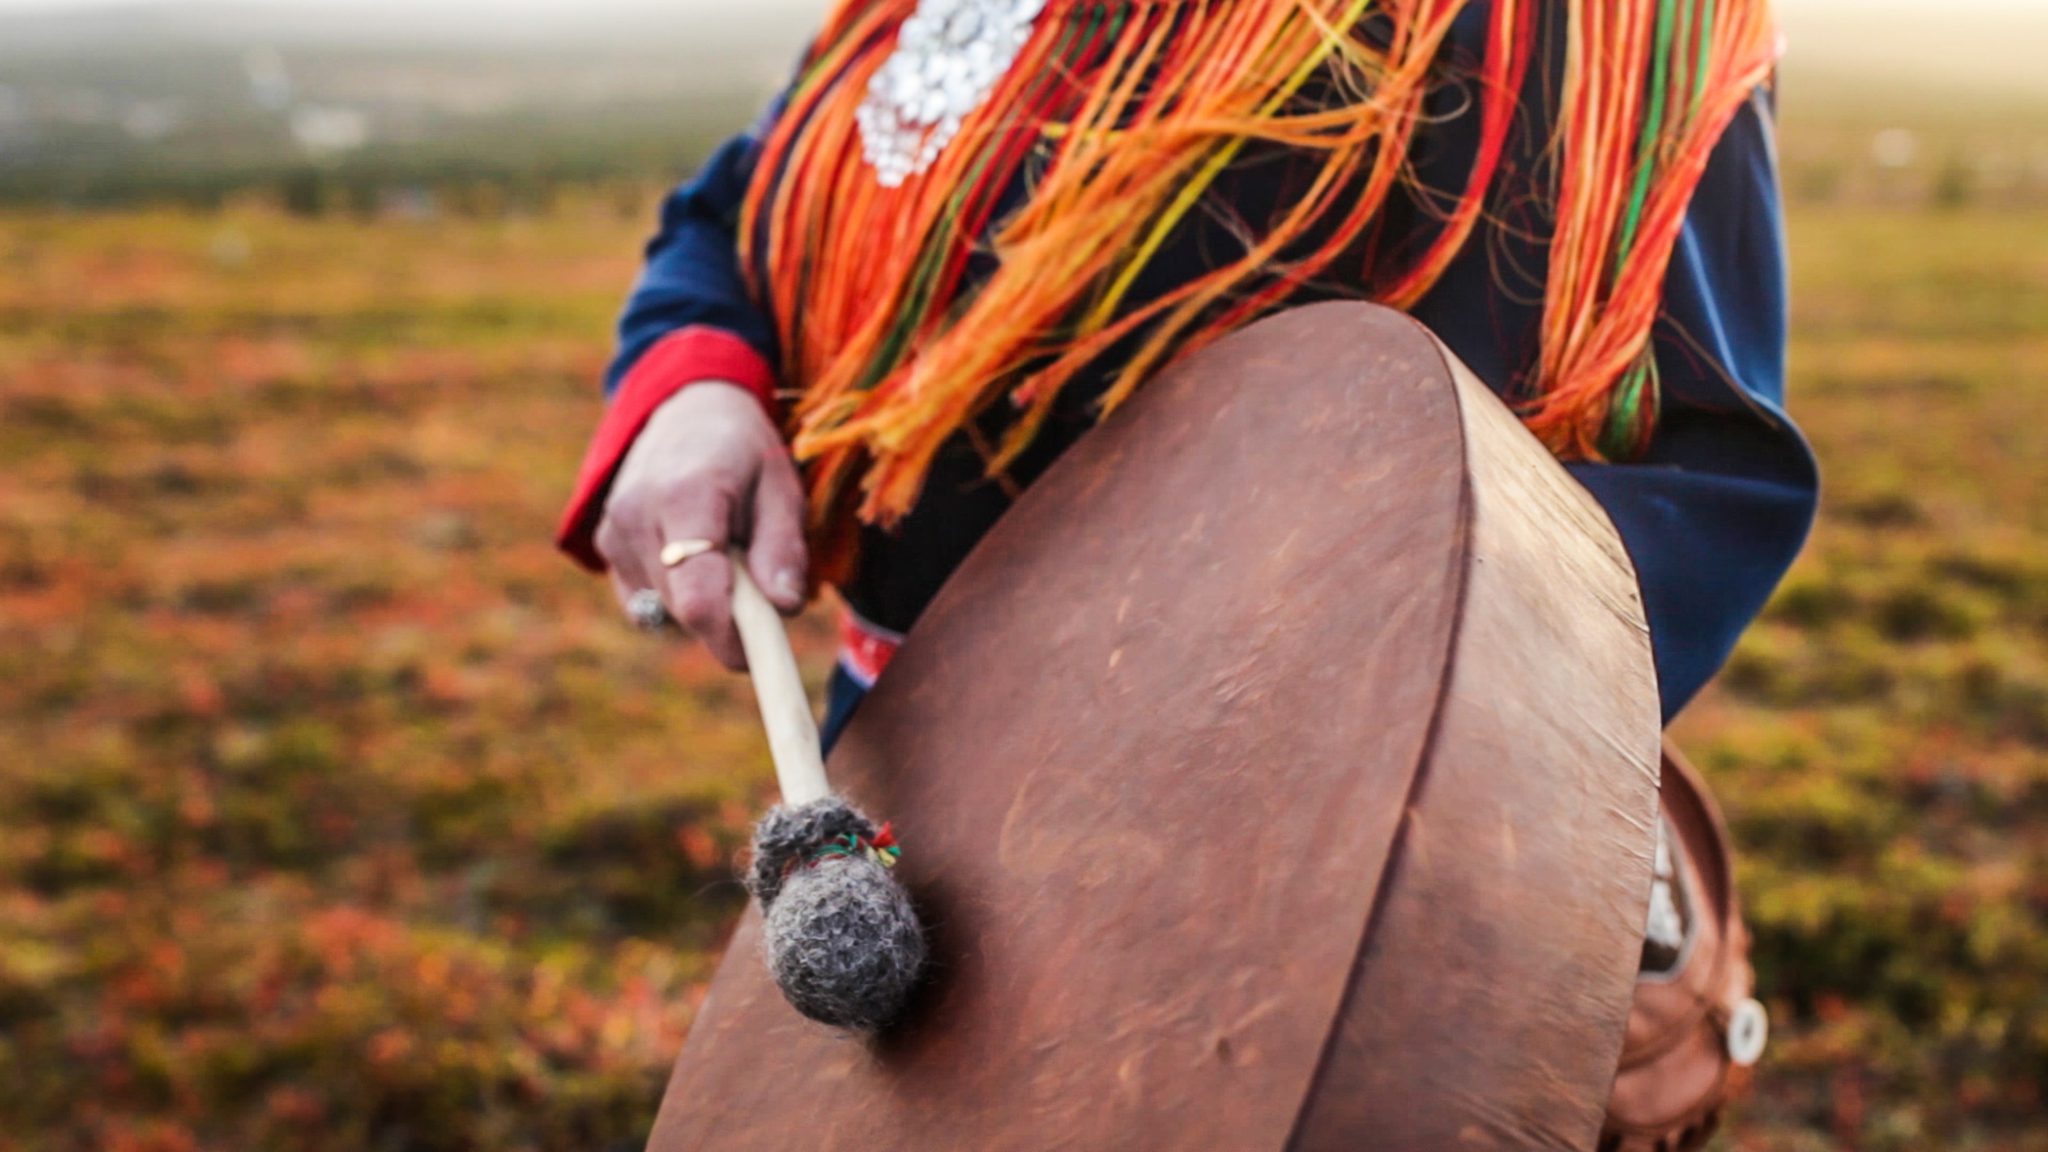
1120 114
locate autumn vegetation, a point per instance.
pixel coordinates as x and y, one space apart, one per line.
337 811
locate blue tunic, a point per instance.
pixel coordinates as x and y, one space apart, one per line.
1712 513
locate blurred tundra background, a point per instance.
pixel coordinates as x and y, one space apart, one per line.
338 812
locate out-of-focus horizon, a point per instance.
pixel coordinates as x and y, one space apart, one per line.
195 101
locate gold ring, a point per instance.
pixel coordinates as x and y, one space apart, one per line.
676 551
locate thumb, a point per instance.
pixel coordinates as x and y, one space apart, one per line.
776 554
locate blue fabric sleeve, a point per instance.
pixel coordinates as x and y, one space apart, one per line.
692 272
1721 503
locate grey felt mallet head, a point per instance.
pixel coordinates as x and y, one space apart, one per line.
843 941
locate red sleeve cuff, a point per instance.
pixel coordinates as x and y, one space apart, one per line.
684 357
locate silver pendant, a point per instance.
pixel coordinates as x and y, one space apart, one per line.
949 56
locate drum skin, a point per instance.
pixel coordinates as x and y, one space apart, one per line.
1279 773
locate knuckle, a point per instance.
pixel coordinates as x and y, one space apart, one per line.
704 623
677 484
698 608
695 494
607 540
787 550
628 495
692 474
779 477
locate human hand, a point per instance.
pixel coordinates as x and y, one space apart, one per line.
709 465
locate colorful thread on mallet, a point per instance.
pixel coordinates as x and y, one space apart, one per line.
882 848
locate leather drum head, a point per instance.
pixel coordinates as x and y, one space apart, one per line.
1149 756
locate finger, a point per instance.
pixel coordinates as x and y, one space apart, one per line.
627 594
776 554
700 598
626 551
699 590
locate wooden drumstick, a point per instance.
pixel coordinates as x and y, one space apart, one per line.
841 937
779 689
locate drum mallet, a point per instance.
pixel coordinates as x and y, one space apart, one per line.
842 939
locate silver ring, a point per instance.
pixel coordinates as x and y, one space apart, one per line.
647 611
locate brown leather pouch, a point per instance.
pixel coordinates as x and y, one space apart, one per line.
1694 1030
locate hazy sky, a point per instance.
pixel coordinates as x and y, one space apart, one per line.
734 6
739 6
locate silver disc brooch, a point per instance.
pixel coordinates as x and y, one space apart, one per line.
949 56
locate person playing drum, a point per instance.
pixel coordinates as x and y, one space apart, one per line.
968 228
